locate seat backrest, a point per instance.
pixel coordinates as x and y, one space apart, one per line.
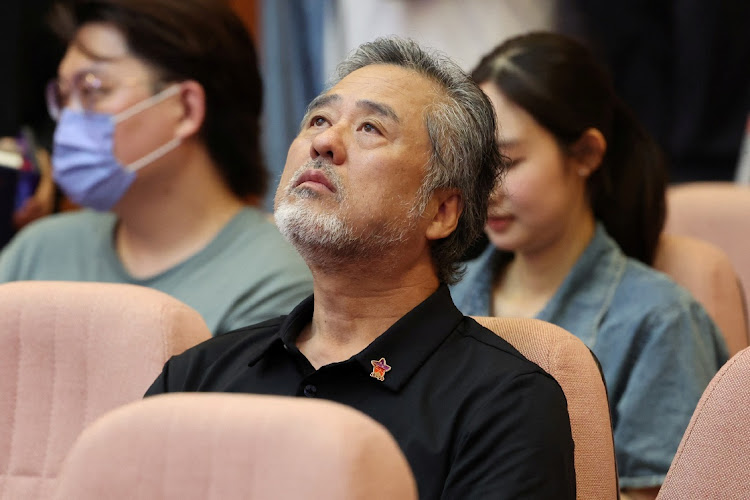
571 363
187 446
707 273
71 352
713 458
717 212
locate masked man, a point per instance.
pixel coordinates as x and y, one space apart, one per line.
159 139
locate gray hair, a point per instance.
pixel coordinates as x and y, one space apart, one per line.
461 127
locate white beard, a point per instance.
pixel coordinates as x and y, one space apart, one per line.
329 240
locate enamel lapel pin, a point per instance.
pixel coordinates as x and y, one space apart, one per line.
379 368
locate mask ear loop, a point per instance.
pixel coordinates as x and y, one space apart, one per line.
153 155
141 106
146 103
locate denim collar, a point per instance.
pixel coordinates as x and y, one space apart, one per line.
578 305
584 297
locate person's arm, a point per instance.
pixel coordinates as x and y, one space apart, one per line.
180 373
160 385
20 257
676 352
519 445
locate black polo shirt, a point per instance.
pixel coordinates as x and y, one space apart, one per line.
474 418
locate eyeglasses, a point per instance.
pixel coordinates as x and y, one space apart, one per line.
86 90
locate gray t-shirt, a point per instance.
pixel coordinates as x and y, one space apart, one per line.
248 273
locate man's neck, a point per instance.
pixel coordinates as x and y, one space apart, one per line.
162 222
351 311
531 279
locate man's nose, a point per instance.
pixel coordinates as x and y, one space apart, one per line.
330 144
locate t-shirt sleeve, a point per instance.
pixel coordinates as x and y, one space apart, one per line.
676 353
518 445
13 258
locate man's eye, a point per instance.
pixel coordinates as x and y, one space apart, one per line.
318 121
514 162
88 91
369 127
90 84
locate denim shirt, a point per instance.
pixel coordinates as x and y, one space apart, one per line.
657 346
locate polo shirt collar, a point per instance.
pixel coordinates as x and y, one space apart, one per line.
287 334
405 346
408 343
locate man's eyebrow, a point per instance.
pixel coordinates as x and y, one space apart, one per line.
378 108
322 100
371 106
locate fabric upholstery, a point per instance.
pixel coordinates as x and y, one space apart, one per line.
713 459
214 446
71 352
566 358
707 273
716 212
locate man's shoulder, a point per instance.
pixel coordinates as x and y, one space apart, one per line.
251 234
69 225
56 246
650 292
486 347
234 343
253 225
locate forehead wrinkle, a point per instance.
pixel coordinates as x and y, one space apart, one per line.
91 53
322 100
378 108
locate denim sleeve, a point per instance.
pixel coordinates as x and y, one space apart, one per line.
676 352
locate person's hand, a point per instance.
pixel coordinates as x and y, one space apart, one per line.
43 201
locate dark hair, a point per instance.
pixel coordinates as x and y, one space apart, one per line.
201 40
462 130
560 84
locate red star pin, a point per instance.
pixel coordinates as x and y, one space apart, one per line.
379 368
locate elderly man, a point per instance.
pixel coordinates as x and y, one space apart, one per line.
384 187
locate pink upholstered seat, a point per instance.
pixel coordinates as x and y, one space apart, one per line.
212 446
713 460
566 358
718 212
71 352
707 273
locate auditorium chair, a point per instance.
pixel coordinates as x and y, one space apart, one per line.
71 352
571 363
707 273
717 212
214 446
713 458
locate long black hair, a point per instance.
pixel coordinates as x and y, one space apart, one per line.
558 81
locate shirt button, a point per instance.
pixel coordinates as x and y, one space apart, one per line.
310 391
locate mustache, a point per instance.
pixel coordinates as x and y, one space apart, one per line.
317 164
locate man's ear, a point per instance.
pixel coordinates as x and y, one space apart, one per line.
445 209
588 151
193 102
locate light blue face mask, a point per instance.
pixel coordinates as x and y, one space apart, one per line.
83 159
